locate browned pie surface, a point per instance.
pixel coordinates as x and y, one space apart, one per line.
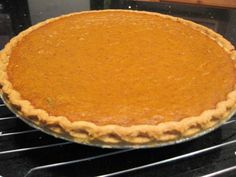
120 68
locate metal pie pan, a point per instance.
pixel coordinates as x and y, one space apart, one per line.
117 146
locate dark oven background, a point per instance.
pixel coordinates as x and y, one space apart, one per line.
25 151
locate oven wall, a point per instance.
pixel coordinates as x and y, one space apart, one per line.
44 9
231 27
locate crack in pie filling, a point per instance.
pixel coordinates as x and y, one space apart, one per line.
119 76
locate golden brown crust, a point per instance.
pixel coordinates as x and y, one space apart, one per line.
82 131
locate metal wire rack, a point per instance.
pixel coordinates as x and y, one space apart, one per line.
26 152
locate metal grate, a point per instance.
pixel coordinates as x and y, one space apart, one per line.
27 152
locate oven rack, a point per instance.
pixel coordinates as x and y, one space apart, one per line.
27 152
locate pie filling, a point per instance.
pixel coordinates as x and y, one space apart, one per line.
120 68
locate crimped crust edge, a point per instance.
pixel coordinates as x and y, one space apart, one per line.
82 131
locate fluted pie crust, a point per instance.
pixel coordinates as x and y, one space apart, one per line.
87 132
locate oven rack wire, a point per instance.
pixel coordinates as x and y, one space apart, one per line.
27 152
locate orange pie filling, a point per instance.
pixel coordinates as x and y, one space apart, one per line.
120 68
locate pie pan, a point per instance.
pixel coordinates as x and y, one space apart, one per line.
135 135
106 145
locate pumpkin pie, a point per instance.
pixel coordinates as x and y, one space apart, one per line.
120 77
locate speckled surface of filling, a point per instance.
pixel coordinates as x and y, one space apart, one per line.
120 68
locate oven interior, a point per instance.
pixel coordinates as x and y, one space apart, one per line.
27 152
